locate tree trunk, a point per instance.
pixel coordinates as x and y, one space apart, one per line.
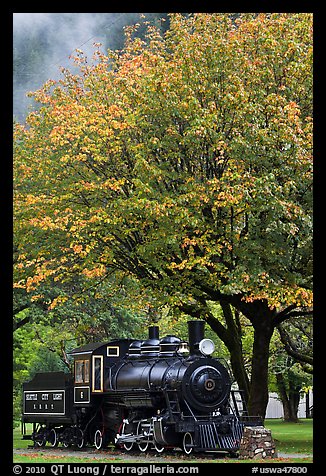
239 372
308 411
294 399
258 399
232 339
281 387
234 345
290 396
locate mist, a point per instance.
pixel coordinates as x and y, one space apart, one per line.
43 42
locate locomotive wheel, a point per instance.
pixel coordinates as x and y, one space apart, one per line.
158 447
66 438
187 443
40 438
80 440
41 442
53 438
98 439
126 446
142 446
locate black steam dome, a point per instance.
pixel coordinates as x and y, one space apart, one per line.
169 345
134 348
150 347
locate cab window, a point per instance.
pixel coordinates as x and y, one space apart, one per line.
81 371
98 373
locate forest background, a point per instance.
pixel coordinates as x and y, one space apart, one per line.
168 177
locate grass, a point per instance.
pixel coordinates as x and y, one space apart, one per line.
289 438
17 437
292 437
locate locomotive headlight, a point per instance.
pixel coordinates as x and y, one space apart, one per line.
206 346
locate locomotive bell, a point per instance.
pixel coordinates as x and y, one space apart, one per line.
183 348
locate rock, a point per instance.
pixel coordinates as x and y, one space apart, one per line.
257 442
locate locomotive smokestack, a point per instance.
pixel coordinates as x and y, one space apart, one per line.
196 334
153 332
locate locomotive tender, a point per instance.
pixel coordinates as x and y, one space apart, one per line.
138 395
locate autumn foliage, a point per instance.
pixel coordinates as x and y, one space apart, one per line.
185 154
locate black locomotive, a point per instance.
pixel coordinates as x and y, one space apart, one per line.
138 395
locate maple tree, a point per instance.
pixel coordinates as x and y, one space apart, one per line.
184 161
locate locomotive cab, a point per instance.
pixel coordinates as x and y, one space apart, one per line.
92 362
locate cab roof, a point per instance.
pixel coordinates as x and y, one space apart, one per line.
90 348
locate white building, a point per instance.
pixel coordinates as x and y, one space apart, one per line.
275 407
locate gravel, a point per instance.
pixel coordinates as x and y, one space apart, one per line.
149 457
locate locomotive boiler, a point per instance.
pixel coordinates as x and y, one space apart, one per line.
158 393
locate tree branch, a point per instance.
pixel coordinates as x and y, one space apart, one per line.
291 348
289 312
22 322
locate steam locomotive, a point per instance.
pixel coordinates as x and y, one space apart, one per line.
139 395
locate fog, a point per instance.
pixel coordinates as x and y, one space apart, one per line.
43 42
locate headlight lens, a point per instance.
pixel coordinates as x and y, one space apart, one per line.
206 346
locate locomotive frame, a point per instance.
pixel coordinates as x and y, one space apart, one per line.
139 395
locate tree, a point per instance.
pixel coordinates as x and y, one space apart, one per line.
185 161
289 378
289 387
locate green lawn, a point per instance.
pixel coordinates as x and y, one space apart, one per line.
292 437
17 437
